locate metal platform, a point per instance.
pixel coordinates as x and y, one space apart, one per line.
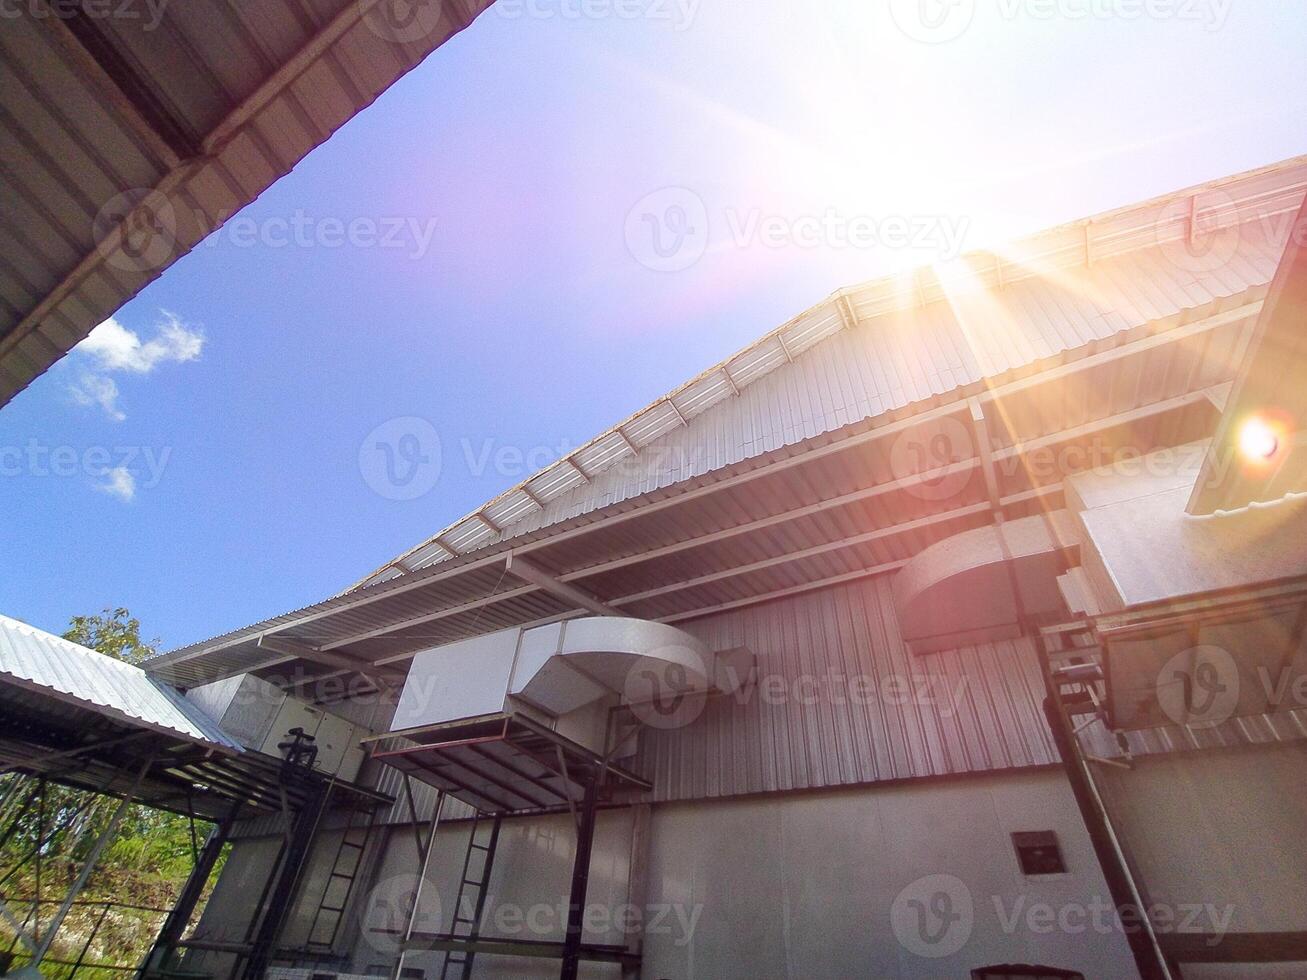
506 764
536 948
102 755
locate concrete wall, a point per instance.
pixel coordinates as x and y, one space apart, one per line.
1221 829
824 885
852 882
804 886
528 891
228 912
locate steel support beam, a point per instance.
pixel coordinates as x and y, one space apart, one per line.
1130 904
380 676
107 70
165 944
424 867
280 897
985 453
520 568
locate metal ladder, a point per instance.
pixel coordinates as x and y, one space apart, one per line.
462 926
339 887
1076 670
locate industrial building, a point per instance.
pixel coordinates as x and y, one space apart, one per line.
954 628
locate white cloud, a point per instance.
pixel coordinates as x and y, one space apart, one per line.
118 482
98 389
112 347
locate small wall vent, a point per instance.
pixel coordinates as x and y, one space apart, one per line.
1038 852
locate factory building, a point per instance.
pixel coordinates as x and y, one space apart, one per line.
954 628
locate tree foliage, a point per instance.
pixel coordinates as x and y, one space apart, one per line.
115 632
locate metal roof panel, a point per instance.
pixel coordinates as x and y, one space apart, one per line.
40 663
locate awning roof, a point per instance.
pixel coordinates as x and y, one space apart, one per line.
88 721
127 139
38 668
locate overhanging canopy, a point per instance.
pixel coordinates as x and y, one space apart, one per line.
132 130
1269 390
88 721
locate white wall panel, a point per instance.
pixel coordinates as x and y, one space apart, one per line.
803 886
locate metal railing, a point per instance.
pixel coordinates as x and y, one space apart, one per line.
72 954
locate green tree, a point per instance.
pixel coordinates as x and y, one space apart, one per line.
114 632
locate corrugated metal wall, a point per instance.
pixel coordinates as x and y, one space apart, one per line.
840 701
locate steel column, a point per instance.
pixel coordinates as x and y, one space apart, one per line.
165 944
92 859
585 833
424 853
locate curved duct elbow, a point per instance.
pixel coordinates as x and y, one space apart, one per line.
569 672
960 591
565 666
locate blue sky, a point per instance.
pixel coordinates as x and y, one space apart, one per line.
515 306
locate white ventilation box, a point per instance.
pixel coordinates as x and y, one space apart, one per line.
568 674
260 716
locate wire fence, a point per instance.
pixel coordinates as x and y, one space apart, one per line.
99 940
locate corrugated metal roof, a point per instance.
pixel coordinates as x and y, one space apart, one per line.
746 532
893 342
162 131
794 481
37 663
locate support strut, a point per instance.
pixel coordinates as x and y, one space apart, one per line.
585 833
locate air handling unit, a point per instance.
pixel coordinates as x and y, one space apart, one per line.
586 684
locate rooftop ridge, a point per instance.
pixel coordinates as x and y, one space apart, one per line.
1068 244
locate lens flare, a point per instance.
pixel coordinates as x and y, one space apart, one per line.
1257 440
